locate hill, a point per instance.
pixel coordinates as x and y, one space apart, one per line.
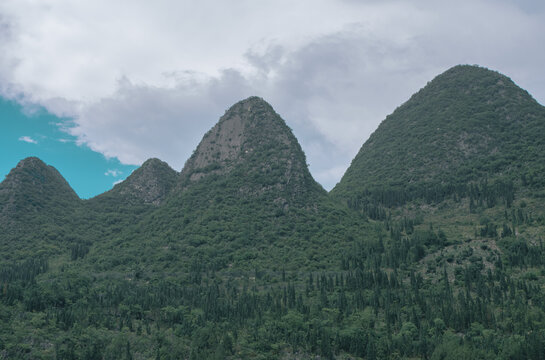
149 184
468 126
253 148
37 207
33 186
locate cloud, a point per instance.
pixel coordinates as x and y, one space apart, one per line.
332 69
58 47
141 121
28 139
118 182
113 172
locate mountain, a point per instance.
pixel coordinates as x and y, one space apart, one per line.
150 184
37 207
33 187
253 149
244 197
466 126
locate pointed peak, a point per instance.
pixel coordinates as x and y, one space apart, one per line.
153 166
253 146
250 102
31 161
33 185
233 137
154 163
249 109
150 183
470 79
469 70
464 125
33 171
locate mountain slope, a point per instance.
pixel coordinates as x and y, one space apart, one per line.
37 206
246 257
244 197
253 148
34 187
150 184
467 125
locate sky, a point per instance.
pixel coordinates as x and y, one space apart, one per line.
27 134
95 88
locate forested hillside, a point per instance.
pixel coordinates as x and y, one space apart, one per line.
469 130
430 247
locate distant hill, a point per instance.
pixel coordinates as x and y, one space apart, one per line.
36 205
33 189
150 184
466 126
33 186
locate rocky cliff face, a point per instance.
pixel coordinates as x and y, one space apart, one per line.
151 184
253 147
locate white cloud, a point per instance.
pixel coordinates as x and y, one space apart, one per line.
28 139
118 182
95 43
150 83
113 172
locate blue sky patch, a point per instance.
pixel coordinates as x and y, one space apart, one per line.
38 133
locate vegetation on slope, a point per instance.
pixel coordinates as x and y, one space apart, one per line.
468 126
150 184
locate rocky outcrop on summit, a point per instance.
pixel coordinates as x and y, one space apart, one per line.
151 183
253 147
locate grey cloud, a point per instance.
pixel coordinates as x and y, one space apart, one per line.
335 91
141 121
7 64
528 6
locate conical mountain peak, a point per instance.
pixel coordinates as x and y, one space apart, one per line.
32 174
151 183
463 126
253 144
32 186
253 103
228 141
31 161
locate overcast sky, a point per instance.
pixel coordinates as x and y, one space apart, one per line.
143 79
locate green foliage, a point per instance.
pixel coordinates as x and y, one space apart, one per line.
468 126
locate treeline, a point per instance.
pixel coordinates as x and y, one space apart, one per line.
481 194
